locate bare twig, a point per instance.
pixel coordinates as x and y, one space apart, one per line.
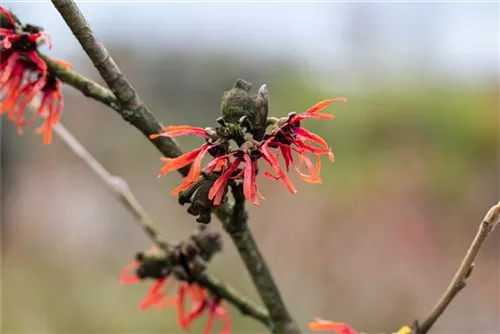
242 237
133 110
119 188
115 184
464 271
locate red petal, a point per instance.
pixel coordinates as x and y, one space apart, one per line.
179 162
271 159
211 318
9 67
182 130
150 300
271 176
181 312
154 295
198 311
185 185
255 190
247 177
126 277
316 116
323 104
39 62
220 184
223 313
195 170
311 136
8 16
312 149
287 155
170 283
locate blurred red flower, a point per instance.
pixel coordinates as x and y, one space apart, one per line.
25 75
199 299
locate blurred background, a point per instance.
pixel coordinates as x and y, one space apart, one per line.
375 245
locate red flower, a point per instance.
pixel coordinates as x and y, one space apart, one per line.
24 76
200 300
287 136
337 327
290 137
195 157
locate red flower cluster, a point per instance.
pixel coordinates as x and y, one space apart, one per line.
24 75
199 299
325 325
285 135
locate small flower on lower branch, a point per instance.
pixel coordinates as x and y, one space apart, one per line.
24 75
256 138
175 269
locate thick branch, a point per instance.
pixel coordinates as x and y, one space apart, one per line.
464 271
133 110
119 188
236 226
131 107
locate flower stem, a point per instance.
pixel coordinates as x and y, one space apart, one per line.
237 227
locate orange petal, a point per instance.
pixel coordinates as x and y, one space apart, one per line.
179 162
311 136
220 184
182 130
273 162
323 104
337 327
63 63
195 170
187 183
316 116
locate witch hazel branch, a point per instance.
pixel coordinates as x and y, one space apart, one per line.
245 143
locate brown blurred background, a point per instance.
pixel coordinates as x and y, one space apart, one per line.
417 163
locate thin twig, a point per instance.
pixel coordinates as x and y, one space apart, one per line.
115 184
119 188
88 87
459 281
237 228
246 306
133 110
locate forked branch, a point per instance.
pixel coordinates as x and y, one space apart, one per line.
132 109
